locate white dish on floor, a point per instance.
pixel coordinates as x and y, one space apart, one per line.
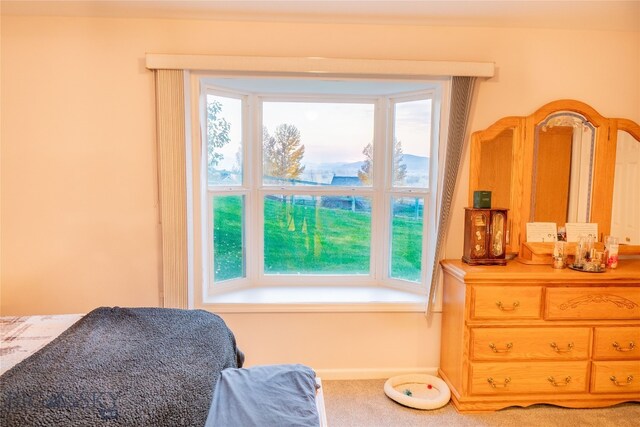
420 391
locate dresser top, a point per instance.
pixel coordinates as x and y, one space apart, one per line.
628 271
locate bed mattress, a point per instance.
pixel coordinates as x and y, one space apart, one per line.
122 367
22 337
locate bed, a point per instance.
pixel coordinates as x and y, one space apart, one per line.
144 367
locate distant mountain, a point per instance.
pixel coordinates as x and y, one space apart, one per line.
415 163
417 169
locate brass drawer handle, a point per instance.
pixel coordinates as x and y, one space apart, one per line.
619 384
557 384
555 347
496 385
503 308
507 348
617 347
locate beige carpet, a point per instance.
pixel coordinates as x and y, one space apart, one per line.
363 403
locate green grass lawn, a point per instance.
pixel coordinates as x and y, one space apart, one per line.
304 238
227 237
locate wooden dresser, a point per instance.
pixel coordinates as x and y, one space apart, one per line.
518 335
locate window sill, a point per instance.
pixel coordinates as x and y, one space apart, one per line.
286 299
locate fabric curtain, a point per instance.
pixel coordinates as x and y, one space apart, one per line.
170 129
461 96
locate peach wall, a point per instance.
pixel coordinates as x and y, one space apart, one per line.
79 189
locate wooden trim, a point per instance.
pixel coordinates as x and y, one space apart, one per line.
523 274
628 126
477 140
604 165
170 128
569 105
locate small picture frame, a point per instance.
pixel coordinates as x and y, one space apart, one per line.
542 232
584 229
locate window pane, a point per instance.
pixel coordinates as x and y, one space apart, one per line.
406 238
224 140
228 238
306 234
412 143
307 143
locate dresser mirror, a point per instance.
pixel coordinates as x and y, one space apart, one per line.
564 144
495 165
625 212
563 163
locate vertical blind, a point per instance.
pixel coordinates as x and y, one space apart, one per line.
461 96
170 129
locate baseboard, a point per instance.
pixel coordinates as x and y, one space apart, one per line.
370 374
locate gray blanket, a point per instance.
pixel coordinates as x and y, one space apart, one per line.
122 367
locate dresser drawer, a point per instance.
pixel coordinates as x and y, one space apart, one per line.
616 377
617 343
592 303
506 302
528 377
530 343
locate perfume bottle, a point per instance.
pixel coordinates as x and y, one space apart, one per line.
611 250
559 255
583 250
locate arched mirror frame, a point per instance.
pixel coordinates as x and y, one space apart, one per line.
607 157
522 163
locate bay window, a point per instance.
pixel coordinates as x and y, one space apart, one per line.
314 182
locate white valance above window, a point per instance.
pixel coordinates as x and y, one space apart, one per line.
316 65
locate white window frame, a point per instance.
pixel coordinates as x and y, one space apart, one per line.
254 192
429 194
208 192
262 190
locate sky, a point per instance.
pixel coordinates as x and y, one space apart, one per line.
330 132
333 132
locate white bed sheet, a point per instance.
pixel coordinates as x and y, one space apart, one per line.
22 336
